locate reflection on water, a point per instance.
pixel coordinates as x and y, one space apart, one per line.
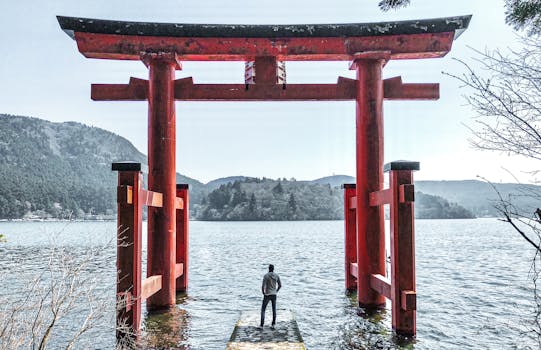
167 329
369 329
473 286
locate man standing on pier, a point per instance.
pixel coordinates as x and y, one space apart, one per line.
270 287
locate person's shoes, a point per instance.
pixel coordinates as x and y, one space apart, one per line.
260 326
272 326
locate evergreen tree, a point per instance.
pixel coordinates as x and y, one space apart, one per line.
386 5
291 205
521 14
252 206
219 197
524 14
236 185
278 190
239 197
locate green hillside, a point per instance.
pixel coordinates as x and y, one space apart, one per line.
63 170
245 198
480 197
266 199
60 170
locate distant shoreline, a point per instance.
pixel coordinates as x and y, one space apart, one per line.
192 220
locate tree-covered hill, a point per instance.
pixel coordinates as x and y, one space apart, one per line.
267 199
59 169
214 184
479 197
335 180
436 207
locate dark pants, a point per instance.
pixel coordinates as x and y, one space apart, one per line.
266 299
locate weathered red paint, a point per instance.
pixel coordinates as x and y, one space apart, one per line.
151 199
394 89
179 270
179 203
401 288
186 90
406 193
129 248
353 205
354 270
403 253
162 175
369 149
381 284
380 197
182 239
408 300
350 240
129 47
151 285
135 90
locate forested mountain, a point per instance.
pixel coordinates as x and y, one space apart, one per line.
480 197
267 199
63 170
59 170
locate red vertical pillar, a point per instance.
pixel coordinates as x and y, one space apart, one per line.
129 248
350 239
182 244
162 174
369 147
403 293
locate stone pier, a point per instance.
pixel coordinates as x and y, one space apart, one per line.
248 336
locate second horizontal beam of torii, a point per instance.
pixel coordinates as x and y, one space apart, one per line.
186 90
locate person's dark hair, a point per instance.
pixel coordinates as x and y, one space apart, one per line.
271 268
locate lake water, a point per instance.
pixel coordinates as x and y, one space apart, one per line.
473 283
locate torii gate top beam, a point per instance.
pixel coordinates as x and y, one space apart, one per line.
122 40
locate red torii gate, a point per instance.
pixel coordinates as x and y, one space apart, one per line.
265 48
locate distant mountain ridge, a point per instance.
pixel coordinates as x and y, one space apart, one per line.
61 170
214 184
335 180
476 196
480 197
248 198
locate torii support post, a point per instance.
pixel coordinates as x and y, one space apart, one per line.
162 174
182 243
369 148
403 290
129 248
350 239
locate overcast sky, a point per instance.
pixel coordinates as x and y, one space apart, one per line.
43 75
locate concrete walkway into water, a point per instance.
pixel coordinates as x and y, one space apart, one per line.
248 336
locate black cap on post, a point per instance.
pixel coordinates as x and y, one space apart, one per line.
126 166
348 185
402 165
183 186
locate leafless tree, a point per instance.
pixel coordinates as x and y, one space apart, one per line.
505 93
64 302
